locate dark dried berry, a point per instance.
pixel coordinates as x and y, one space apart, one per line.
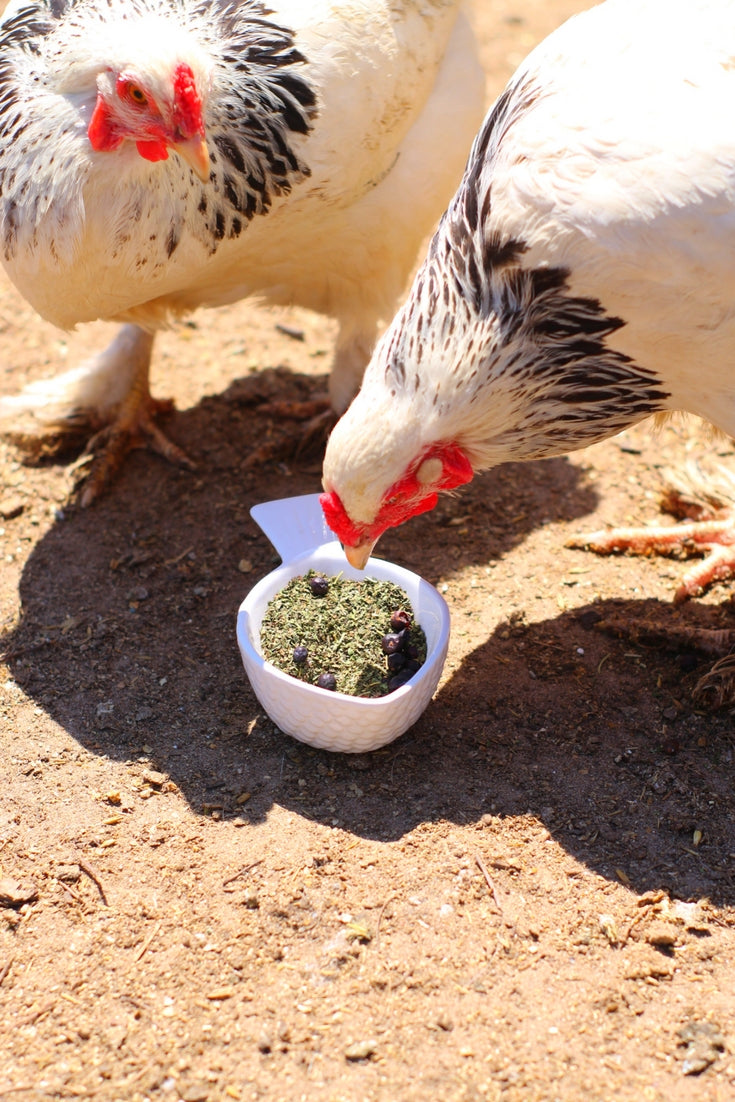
327 681
399 679
413 665
393 642
300 654
319 585
400 620
396 661
411 650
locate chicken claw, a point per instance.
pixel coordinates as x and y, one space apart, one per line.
133 427
715 538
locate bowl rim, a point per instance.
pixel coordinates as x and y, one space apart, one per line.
291 569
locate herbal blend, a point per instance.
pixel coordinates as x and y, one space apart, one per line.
356 637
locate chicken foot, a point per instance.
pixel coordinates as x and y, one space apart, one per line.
712 534
130 419
320 414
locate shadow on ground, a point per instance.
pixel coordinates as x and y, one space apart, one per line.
127 640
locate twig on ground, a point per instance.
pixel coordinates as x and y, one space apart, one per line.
242 872
148 941
75 896
390 899
6 969
94 877
489 881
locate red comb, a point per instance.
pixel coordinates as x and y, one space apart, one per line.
187 104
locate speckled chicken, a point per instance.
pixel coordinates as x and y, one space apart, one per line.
582 278
161 155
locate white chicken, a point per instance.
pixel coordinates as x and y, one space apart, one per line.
161 155
582 278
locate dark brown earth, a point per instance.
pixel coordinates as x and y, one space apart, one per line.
529 896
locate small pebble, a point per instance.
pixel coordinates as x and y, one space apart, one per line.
11 507
198 1092
703 1043
154 778
360 1050
662 935
14 893
68 873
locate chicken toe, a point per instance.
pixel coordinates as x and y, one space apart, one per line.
134 427
318 419
713 538
716 688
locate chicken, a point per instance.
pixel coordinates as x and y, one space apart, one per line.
582 278
161 155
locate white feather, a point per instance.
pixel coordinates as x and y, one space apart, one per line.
584 274
399 93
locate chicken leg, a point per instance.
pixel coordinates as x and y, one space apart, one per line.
706 500
131 424
108 395
353 349
714 537
709 530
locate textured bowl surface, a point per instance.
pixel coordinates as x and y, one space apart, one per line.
333 720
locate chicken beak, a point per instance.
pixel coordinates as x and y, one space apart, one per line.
358 556
194 151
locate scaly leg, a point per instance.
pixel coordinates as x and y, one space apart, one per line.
716 688
353 351
715 538
710 532
131 423
106 399
705 499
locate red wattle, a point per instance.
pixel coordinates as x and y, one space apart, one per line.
152 150
406 498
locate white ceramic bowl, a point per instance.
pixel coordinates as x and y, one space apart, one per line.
333 720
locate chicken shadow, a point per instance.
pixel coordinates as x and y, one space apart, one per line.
127 641
594 736
598 737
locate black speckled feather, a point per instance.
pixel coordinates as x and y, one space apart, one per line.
263 98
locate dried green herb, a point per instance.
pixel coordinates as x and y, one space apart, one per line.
342 626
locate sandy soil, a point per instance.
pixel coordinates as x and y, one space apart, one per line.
527 897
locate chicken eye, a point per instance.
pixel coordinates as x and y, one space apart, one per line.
136 95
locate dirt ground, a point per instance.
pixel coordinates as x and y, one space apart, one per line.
529 896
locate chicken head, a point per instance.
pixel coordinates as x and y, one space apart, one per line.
129 108
441 466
